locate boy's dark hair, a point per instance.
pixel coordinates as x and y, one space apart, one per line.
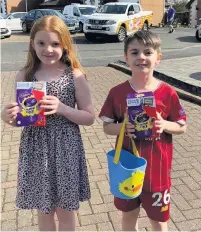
147 38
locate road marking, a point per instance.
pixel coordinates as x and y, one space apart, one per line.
179 49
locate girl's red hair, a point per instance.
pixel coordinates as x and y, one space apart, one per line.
53 24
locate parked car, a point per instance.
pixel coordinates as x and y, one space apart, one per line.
79 12
13 20
198 32
28 20
5 31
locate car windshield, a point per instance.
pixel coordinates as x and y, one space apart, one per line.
87 10
6 16
113 9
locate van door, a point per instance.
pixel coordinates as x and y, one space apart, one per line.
76 13
138 17
66 11
131 19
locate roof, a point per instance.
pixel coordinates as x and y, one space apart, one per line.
82 5
188 5
120 3
45 9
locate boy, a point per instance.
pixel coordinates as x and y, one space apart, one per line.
142 53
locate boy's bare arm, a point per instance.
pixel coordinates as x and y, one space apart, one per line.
112 128
174 128
168 126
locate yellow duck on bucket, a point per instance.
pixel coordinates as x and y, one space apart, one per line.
132 186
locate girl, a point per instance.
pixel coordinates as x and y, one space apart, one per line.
52 173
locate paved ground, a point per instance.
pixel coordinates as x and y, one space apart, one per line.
186 69
99 213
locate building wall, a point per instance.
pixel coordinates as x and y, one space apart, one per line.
3 7
15 5
157 7
193 14
19 5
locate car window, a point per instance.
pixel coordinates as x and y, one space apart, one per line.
114 9
31 14
87 10
59 14
38 14
18 15
136 8
76 12
7 16
10 17
130 8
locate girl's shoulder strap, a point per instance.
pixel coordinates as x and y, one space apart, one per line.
20 76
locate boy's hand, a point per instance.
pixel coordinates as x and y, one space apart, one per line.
160 123
130 129
9 113
50 103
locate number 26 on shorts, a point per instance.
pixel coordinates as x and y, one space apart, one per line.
161 198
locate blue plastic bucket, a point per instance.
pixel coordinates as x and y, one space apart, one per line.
127 176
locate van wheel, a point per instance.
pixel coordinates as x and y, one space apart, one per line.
145 26
197 36
121 34
80 27
90 37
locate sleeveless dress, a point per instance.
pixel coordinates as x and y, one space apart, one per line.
52 170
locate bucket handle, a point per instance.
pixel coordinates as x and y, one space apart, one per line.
120 142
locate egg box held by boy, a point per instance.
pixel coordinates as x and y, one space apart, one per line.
142 113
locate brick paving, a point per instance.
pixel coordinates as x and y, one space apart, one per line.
99 214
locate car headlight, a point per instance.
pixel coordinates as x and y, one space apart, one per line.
110 22
87 21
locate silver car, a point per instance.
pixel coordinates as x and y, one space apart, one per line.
5 30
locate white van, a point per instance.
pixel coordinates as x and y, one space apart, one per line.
117 19
79 12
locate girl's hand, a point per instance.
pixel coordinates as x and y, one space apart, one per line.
9 113
50 103
160 123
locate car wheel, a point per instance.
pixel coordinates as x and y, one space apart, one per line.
145 26
90 37
8 36
81 27
72 32
24 28
121 34
197 36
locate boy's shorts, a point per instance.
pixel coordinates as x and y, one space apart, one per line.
156 205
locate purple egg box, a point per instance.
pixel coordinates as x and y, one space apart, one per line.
28 95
